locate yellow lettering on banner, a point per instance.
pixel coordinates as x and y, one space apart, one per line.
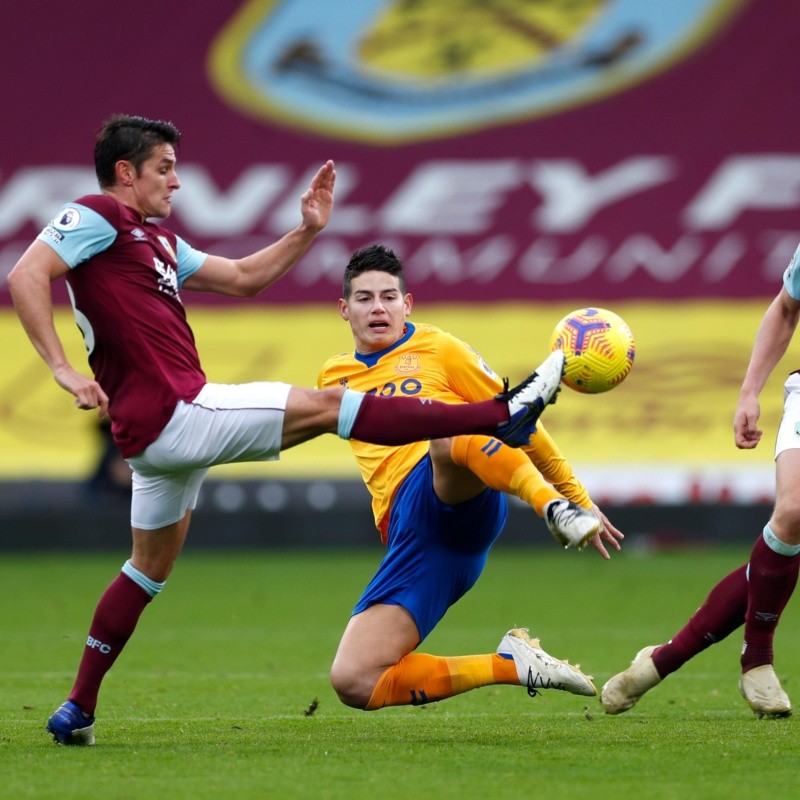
675 409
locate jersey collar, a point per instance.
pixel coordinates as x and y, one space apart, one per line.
371 359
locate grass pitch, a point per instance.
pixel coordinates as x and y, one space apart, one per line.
223 691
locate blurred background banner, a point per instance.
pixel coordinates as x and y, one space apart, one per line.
508 149
663 436
525 159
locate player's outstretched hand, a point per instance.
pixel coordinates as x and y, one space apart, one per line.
316 204
608 535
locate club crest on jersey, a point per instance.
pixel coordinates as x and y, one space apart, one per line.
408 363
168 247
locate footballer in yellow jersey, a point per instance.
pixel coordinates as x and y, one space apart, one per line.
439 505
424 362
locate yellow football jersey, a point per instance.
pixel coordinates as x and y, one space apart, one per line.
425 362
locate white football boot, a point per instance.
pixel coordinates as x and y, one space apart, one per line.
538 670
623 691
571 525
764 694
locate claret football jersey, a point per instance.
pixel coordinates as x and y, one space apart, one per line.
124 281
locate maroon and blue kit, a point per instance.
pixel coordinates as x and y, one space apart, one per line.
124 280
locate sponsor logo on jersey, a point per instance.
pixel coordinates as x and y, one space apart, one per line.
139 234
167 277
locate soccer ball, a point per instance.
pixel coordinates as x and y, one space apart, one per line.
599 349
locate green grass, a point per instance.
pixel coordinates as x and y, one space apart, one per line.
208 699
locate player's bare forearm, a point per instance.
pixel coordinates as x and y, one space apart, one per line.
771 342
262 269
250 275
29 286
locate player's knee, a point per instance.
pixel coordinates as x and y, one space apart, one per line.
351 688
309 413
788 531
786 519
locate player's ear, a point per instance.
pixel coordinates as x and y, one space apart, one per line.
408 303
343 308
125 173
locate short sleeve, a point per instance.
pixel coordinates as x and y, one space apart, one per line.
189 260
77 233
791 277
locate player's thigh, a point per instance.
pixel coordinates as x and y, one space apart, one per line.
785 520
155 551
376 638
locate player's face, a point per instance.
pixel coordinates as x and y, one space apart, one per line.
156 181
376 311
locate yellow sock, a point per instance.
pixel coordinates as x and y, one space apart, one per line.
420 678
506 469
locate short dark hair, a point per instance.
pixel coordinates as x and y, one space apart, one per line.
127 138
375 258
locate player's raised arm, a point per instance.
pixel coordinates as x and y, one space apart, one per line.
246 277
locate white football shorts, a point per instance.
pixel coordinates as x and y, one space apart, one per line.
789 429
224 424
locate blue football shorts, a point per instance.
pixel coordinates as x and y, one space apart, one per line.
436 551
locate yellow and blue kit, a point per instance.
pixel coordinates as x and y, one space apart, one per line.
436 551
424 362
